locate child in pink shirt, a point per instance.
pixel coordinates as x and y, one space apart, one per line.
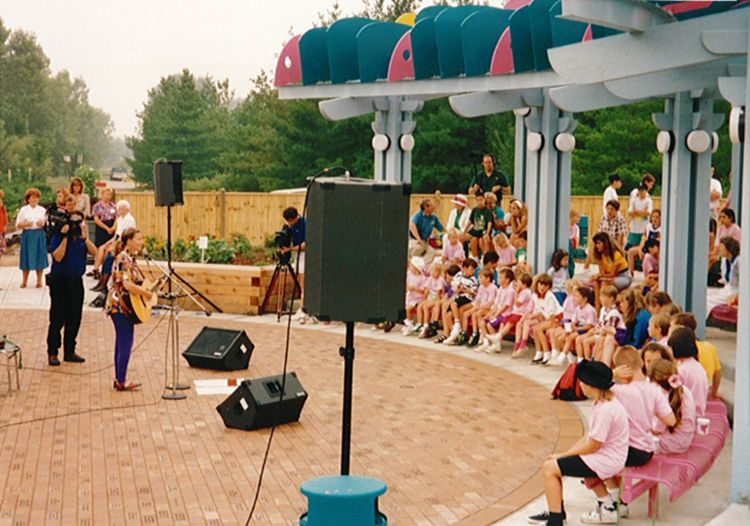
434 289
481 305
678 437
584 319
453 250
692 374
414 290
522 305
506 253
601 454
503 304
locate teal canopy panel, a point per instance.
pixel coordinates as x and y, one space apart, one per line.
448 38
313 52
520 41
480 33
341 39
423 46
565 32
375 43
541 32
429 12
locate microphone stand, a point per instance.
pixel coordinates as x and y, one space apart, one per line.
173 335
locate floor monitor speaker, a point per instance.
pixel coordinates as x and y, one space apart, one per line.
355 249
168 183
255 403
220 349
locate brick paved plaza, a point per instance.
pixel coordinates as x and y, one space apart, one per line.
456 441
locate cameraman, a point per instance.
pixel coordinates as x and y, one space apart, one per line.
296 225
69 246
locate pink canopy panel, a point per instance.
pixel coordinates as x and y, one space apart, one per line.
401 66
289 65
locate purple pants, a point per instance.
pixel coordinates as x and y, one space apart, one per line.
123 344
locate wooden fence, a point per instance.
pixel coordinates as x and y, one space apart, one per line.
258 215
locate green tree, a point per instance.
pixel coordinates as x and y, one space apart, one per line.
182 119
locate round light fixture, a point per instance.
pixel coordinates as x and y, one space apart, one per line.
737 125
714 142
565 142
380 142
522 111
664 141
534 141
406 142
698 141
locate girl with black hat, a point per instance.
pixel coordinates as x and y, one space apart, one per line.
600 454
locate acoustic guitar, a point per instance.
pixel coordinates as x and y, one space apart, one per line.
138 305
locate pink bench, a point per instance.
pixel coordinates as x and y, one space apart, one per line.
678 472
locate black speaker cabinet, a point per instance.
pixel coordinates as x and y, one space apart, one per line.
255 403
168 183
220 349
355 249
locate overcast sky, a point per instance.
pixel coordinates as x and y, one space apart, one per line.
121 48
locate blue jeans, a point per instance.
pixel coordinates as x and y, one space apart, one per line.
124 329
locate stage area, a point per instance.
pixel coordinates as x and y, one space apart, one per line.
456 441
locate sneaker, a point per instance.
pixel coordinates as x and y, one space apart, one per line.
388 326
623 509
561 358
450 340
440 338
495 348
474 341
431 331
542 518
537 357
555 354
545 358
299 315
462 339
417 329
406 331
572 358
600 515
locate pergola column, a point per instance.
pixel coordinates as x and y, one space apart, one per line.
685 141
519 157
736 184
549 143
393 140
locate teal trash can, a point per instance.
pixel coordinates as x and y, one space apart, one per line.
343 500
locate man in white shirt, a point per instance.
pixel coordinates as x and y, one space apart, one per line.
716 194
639 211
610 193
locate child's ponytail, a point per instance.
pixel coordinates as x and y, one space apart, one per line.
664 372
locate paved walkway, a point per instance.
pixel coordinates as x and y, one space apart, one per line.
458 437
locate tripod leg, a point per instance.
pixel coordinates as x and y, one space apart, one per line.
269 290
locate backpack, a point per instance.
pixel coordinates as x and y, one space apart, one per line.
568 387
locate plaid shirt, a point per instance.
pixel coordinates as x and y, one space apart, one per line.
615 228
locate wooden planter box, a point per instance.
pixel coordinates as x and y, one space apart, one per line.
235 289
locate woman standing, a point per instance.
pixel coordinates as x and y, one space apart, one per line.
83 202
125 274
31 219
104 213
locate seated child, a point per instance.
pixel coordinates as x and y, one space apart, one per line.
559 273
707 355
600 454
502 305
658 328
610 321
651 264
584 319
414 291
431 327
522 265
453 250
522 304
543 316
465 287
479 307
653 351
685 351
480 226
434 288
505 252
678 437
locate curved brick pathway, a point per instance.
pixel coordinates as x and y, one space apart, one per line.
457 441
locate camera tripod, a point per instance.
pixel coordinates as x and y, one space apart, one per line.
283 270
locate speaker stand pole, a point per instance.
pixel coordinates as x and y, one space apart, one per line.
174 318
347 351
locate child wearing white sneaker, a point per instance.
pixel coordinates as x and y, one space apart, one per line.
610 319
600 454
583 320
415 279
549 339
643 402
543 317
465 287
434 289
522 305
504 298
481 305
